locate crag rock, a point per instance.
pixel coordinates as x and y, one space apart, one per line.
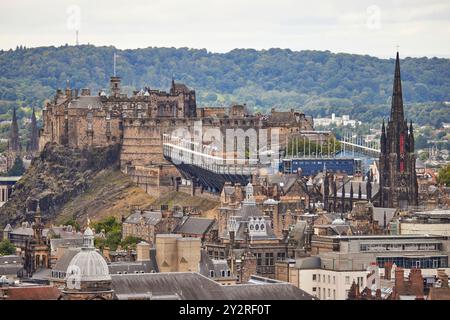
58 175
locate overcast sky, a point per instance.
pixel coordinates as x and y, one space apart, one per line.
419 27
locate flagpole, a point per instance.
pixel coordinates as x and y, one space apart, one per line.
114 64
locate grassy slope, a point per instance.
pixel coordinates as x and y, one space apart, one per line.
111 194
183 199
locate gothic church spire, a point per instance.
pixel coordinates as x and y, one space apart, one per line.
397 96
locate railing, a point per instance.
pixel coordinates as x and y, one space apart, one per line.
183 152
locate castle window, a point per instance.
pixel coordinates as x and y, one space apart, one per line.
211 273
222 273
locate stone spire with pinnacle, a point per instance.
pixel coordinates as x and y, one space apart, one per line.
397 97
397 163
34 134
14 142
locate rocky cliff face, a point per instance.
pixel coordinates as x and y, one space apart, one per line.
56 177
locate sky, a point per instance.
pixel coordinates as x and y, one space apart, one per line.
377 28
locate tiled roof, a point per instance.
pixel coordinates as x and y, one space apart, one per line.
33 293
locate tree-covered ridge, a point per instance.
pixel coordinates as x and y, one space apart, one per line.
320 82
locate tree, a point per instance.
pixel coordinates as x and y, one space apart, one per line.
17 169
113 233
6 248
444 175
131 241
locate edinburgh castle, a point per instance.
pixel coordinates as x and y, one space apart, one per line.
137 123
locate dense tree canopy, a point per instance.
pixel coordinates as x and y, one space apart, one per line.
17 169
6 248
444 175
319 82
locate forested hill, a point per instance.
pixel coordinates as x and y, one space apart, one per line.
318 82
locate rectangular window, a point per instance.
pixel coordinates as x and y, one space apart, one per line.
329 279
269 259
259 259
435 263
281 256
334 279
329 293
314 277
334 294
347 280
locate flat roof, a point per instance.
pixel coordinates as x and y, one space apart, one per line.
382 236
12 178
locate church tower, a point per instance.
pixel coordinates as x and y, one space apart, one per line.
14 141
398 180
33 143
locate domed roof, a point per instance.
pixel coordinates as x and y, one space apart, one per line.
89 265
338 221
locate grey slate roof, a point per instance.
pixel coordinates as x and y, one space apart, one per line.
63 263
194 286
69 242
250 210
208 264
10 265
150 217
85 102
194 225
135 266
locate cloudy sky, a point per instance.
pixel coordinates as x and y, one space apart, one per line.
419 27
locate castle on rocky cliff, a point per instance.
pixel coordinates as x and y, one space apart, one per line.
138 122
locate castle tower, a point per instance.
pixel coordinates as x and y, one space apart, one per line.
115 87
398 180
14 142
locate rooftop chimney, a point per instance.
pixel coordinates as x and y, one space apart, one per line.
143 251
85 92
399 279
